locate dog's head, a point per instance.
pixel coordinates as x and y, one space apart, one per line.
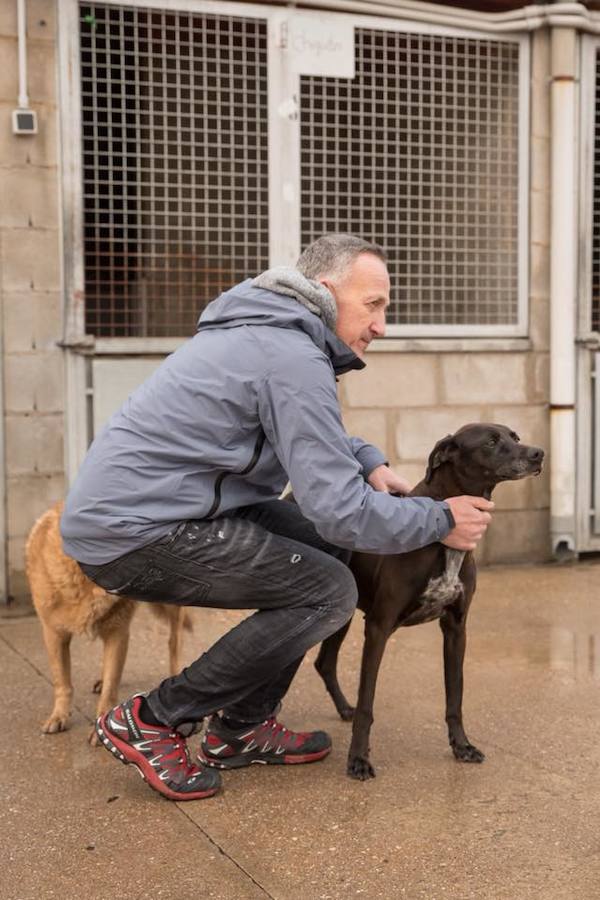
485 454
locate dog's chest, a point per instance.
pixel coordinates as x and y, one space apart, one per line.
439 593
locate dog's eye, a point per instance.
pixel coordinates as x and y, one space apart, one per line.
492 442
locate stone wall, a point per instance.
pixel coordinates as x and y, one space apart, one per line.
405 403
30 261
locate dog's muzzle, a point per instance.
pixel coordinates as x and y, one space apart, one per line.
529 464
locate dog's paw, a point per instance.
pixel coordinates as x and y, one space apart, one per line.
57 722
360 768
97 689
346 713
468 753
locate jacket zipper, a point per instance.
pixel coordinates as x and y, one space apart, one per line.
220 479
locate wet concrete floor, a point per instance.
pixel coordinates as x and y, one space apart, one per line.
76 823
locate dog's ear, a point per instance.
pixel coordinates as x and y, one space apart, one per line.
441 453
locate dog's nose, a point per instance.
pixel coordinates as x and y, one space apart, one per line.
535 454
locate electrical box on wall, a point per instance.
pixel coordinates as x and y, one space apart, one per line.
24 121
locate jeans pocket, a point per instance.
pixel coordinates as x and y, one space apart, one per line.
117 576
152 574
163 585
146 582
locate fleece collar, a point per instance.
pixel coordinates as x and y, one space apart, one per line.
314 296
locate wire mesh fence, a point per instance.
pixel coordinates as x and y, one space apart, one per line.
419 152
175 164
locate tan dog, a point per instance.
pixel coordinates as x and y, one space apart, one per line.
68 603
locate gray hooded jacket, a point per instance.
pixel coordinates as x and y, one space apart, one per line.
248 403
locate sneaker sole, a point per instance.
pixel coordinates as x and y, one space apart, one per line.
239 762
110 745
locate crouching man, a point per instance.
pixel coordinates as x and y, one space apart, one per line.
176 502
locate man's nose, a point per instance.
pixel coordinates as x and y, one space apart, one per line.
378 325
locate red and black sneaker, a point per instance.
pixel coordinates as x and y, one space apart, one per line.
269 742
159 753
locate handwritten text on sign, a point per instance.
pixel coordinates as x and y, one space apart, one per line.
320 47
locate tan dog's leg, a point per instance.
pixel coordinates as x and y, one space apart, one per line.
176 615
115 638
57 645
178 620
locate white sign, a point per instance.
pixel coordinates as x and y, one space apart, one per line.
319 45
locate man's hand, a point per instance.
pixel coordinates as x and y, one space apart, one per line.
472 517
382 478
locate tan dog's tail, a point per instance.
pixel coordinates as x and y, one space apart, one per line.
46 566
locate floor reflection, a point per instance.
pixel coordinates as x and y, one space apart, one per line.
575 653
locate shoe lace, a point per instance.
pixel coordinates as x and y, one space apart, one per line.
275 726
281 734
175 750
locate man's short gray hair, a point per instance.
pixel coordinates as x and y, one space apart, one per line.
333 254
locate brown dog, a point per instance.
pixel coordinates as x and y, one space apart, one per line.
427 584
68 603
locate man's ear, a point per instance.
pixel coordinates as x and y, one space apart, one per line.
441 453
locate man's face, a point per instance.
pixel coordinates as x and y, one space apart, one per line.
362 297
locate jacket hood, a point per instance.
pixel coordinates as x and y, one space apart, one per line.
248 304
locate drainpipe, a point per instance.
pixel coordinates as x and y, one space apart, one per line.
23 101
24 119
21 27
4 599
563 278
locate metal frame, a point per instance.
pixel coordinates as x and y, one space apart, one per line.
588 342
76 417
590 45
284 148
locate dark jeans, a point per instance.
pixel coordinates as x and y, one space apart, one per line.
266 557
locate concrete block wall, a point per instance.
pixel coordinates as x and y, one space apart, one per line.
31 306
404 402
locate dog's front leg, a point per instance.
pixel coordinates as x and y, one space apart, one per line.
376 635
455 640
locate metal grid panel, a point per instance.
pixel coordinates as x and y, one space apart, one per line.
175 164
419 152
596 209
